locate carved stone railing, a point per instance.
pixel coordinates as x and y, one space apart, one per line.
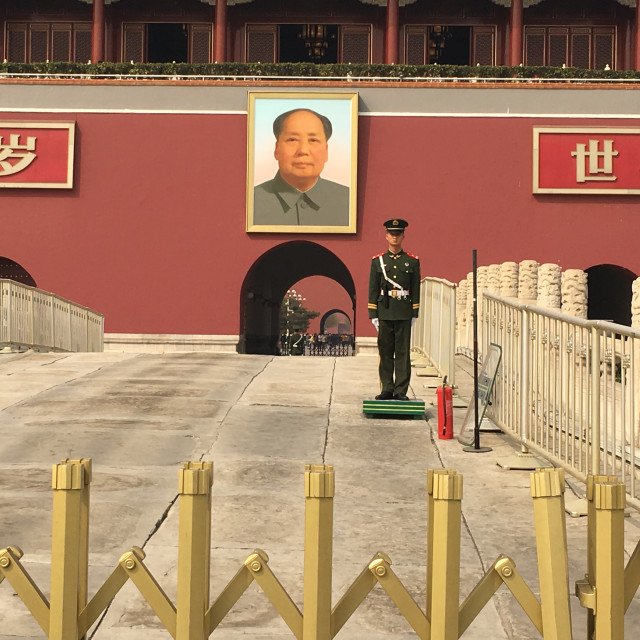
37 319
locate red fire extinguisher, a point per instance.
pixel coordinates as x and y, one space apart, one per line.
445 411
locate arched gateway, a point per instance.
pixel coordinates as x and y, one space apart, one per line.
339 317
11 270
610 292
267 282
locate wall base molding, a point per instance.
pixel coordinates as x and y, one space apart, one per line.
175 342
169 342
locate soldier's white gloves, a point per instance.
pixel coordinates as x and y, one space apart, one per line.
413 321
376 323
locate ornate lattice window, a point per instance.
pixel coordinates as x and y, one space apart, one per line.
355 43
473 45
41 41
585 47
262 43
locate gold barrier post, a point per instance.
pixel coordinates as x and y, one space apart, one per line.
547 491
68 484
319 484
609 502
591 542
430 473
194 549
632 577
83 567
445 593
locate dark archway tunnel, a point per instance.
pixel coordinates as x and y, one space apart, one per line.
267 281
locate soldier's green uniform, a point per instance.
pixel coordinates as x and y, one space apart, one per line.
394 300
296 343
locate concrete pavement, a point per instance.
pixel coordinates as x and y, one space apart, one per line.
259 419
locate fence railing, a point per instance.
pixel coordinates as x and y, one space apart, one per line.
567 389
36 319
70 612
434 332
339 349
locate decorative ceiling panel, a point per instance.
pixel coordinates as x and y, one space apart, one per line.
530 3
525 4
229 2
383 3
211 2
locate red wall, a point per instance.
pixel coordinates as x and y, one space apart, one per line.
153 233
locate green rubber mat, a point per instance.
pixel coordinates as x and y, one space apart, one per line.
396 407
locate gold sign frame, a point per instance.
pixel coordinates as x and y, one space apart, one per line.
70 128
537 131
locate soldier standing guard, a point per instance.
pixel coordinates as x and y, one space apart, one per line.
394 302
296 343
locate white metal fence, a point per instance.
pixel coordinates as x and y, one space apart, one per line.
567 388
33 318
434 332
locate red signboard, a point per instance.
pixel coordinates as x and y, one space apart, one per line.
595 160
36 154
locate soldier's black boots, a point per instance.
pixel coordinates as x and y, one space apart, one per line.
400 396
385 395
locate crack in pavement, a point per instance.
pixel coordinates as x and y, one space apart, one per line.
172 503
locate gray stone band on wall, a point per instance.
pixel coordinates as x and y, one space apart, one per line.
438 99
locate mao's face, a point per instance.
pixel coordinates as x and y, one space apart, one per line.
301 149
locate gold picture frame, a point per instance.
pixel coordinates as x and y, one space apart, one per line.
26 164
304 179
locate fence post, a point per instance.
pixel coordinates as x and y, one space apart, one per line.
451 344
10 324
595 401
525 350
70 491
194 549
319 484
547 491
52 320
31 323
445 588
609 501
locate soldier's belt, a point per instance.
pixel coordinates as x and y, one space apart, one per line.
395 293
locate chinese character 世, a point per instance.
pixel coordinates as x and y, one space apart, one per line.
22 155
588 165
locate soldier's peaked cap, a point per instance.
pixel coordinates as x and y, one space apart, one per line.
396 224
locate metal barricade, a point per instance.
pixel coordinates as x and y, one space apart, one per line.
71 611
435 329
567 389
340 349
37 319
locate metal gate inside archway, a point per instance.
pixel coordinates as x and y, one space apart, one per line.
267 283
610 293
